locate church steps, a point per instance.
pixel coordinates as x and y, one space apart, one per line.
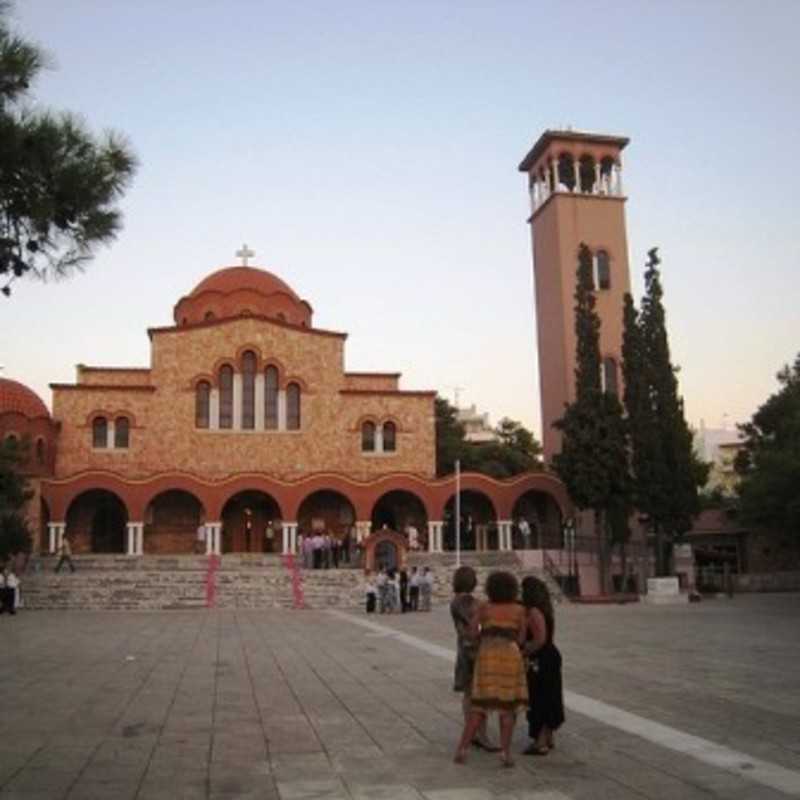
112 582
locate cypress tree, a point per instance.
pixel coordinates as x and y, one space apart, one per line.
665 470
593 462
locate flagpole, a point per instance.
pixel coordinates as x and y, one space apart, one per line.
458 512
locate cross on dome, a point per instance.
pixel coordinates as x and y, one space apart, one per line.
244 252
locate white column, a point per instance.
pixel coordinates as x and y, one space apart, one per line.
237 401
554 168
363 529
55 535
481 538
130 539
213 409
285 538
214 536
577 170
110 434
435 536
209 536
619 179
259 401
292 536
504 533
378 437
281 410
596 187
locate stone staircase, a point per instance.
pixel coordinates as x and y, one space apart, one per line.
251 581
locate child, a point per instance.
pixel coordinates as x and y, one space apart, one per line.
371 593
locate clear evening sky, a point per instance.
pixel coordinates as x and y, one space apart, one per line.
367 152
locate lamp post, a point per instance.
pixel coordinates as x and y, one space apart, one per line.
569 541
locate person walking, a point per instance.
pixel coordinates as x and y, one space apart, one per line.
498 681
462 609
7 594
413 589
545 687
65 554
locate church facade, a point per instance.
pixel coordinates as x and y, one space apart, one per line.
245 430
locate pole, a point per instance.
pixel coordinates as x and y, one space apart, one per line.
458 512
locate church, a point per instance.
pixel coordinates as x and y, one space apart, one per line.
246 429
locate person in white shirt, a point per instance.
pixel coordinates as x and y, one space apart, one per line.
371 593
413 589
525 532
9 591
426 589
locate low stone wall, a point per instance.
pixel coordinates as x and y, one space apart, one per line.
767 582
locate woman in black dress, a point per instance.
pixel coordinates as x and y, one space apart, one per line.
545 692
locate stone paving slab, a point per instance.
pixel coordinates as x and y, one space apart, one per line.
304 704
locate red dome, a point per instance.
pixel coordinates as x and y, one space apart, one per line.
242 291
231 278
18 398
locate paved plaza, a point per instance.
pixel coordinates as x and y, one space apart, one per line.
692 702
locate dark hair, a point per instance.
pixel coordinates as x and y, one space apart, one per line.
502 587
464 580
535 594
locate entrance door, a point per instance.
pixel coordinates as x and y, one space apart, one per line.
386 555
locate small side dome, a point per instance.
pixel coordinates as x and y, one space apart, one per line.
242 291
17 398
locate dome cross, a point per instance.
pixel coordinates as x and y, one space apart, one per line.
244 252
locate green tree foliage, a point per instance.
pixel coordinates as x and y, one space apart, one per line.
58 183
770 460
593 462
665 469
14 494
515 452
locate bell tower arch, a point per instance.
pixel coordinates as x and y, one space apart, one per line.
576 195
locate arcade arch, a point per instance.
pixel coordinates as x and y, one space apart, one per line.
478 522
96 519
544 519
251 523
397 509
328 510
171 521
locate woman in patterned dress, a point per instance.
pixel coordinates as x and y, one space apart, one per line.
498 681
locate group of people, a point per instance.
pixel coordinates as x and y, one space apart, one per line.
393 590
322 550
506 661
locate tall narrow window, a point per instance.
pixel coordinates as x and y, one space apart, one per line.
293 407
249 390
271 398
121 432
610 376
603 270
40 451
100 432
202 405
226 397
389 437
368 437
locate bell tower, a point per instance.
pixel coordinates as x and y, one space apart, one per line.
575 186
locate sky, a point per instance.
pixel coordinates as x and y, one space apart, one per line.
368 153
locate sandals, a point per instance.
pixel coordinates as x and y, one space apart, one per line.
460 757
506 760
534 749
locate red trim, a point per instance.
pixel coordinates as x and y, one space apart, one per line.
387 392
208 323
100 387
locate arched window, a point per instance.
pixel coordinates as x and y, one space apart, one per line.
606 175
121 432
226 396
591 273
610 376
586 173
293 407
41 451
389 437
603 270
100 432
271 398
249 390
368 437
202 405
566 172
